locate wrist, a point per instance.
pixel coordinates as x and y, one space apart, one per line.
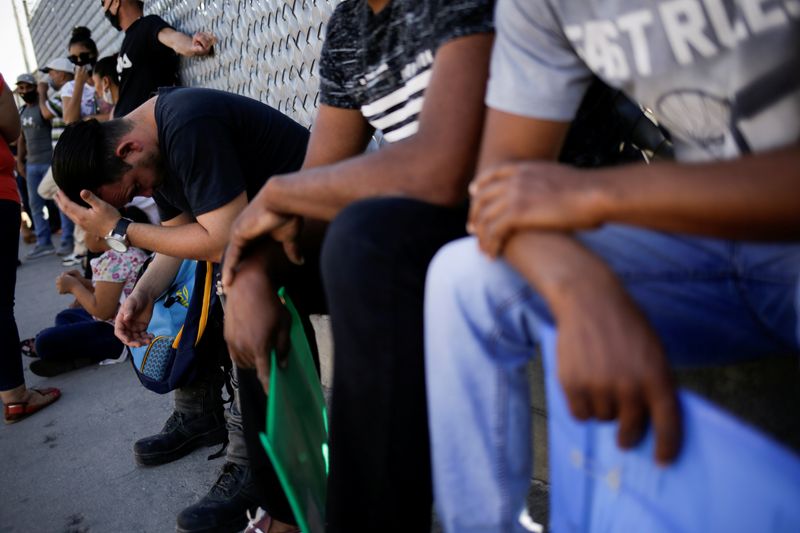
271 192
560 269
598 197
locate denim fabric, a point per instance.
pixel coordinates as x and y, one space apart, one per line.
67 229
77 334
10 358
35 174
711 302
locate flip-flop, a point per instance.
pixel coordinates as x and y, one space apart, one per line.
28 347
16 411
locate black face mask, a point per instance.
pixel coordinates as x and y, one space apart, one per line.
29 96
113 19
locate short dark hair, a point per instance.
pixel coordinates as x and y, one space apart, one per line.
85 156
107 67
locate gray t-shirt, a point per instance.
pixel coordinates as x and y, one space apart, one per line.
722 75
37 134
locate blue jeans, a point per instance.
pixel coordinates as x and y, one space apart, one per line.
77 334
710 301
35 174
67 230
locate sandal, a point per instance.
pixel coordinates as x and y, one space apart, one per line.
16 411
28 347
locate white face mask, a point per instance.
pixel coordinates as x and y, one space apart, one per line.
104 94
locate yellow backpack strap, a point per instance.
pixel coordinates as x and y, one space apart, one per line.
206 301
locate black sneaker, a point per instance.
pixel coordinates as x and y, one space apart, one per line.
224 509
182 433
53 367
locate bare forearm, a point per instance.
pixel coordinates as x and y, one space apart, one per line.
188 241
22 149
755 197
396 170
72 105
86 298
158 276
46 113
557 265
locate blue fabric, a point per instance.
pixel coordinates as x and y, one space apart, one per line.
169 314
77 334
710 301
728 477
35 174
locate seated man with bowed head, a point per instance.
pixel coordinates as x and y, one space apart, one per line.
639 267
202 155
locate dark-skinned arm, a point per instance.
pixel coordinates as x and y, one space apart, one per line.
747 198
610 362
255 321
433 165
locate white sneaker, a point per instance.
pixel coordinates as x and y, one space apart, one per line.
71 260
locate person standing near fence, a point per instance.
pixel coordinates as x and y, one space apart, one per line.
34 150
148 57
18 400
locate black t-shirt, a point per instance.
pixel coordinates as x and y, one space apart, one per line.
381 63
144 64
215 145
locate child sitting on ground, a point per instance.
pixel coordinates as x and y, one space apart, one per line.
84 333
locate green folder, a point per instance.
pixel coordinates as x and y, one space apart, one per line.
296 438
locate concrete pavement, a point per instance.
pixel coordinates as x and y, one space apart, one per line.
70 468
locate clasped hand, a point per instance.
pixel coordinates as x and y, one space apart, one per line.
256 322
611 364
255 223
527 196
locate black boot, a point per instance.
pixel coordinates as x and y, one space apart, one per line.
182 433
224 508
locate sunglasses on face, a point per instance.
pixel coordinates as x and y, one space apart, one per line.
84 58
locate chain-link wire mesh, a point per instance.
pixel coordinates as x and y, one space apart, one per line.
267 49
51 26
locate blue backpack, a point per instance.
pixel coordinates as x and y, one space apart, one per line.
180 317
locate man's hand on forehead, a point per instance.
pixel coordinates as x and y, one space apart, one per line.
98 219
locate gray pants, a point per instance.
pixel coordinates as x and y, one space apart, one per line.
204 395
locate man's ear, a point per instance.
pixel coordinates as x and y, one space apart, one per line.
127 147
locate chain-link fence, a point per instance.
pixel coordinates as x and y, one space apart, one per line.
267 49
